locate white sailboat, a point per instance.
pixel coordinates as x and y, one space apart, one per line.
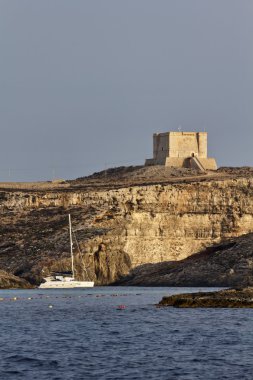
63 281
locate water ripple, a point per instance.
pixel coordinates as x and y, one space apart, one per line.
85 336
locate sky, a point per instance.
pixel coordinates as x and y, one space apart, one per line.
84 84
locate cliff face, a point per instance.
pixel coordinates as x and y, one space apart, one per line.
119 228
225 264
172 222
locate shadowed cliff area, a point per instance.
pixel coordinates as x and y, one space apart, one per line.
35 242
122 218
9 281
226 264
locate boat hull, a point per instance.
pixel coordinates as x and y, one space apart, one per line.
66 284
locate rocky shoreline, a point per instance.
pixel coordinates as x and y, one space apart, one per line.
229 298
9 281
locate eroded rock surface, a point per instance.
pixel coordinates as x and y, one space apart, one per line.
231 298
122 219
225 264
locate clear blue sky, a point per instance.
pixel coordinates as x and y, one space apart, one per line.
85 83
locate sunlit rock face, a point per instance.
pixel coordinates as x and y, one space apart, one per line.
225 264
118 228
172 222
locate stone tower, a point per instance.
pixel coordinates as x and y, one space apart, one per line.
181 149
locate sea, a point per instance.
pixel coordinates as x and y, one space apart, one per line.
110 333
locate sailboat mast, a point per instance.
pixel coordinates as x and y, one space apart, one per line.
71 246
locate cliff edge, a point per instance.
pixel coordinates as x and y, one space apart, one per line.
122 218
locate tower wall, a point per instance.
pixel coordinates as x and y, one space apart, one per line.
202 142
175 148
160 147
183 144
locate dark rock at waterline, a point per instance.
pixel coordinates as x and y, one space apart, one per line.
230 298
9 281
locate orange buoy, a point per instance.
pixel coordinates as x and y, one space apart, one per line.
121 307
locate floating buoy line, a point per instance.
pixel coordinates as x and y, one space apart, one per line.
65 296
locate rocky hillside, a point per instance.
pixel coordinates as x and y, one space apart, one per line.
122 218
226 264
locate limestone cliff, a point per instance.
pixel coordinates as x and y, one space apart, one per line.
225 264
118 223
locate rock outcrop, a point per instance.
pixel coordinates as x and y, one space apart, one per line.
122 219
230 298
9 281
226 264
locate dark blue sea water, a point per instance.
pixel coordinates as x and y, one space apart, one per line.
81 334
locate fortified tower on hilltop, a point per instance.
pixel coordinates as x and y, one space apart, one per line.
181 150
